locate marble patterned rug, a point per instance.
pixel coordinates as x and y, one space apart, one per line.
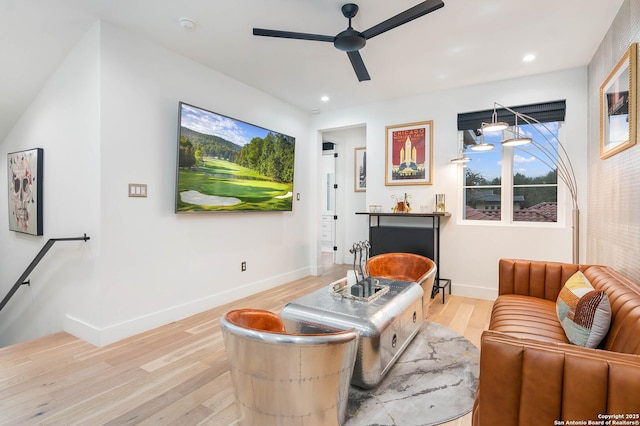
433 381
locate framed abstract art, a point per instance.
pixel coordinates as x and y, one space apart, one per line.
618 105
25 191
360 169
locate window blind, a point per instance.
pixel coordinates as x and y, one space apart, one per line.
543 112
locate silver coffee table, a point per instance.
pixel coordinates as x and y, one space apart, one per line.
387 322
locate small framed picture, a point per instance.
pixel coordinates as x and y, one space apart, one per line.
25 191
618 106
408 158
360 170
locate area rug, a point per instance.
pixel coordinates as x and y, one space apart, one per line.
434 381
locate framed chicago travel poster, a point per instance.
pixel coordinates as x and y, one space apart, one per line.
409 154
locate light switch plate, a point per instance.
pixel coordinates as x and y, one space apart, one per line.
138 190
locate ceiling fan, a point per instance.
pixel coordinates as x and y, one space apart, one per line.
350 40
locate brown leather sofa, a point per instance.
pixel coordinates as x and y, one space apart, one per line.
531 375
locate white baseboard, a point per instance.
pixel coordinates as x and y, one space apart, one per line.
82 330
473 291
112 333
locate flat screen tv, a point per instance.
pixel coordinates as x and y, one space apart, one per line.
227 165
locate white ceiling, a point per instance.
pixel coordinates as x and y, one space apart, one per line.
466 42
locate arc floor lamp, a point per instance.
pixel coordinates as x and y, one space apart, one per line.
552 154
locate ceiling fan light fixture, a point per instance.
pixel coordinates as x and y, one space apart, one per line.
349 40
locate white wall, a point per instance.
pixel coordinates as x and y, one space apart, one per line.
470 252
154 259
144 265
64 121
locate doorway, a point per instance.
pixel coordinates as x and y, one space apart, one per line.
339 197
329 197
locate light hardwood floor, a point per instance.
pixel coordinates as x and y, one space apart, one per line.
175 374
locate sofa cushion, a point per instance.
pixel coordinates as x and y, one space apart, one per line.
527 317
584 313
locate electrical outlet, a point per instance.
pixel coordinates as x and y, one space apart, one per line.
243 266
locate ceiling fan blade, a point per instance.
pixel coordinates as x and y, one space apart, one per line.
290 34
404 17
358 65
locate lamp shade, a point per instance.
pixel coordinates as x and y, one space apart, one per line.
494 126
461 160
517 141
482 147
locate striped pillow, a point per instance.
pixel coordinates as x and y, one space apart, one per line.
584 313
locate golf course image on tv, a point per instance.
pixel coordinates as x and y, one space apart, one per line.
227 165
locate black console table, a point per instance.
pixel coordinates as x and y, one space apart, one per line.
417 233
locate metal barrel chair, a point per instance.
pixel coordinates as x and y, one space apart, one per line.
405 267
282 378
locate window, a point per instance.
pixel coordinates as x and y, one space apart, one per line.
525 175
512 184
483 180
535 176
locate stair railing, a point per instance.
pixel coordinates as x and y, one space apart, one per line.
23 278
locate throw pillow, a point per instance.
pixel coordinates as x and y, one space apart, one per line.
584 313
